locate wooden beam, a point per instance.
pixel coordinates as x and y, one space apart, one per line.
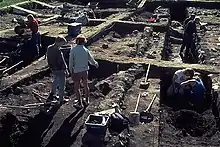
49 19
155 24
43 4
25 10
159 63
21 3
142 4
30 11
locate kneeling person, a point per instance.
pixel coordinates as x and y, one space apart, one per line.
194 89
179 77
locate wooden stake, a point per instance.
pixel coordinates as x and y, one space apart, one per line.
41 104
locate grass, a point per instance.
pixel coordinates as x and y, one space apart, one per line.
4 3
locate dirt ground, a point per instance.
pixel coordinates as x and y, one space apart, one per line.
134 44
209 42
65 126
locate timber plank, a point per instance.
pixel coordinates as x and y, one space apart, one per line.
44 4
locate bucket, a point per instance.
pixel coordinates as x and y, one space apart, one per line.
96 124
74 29
134 118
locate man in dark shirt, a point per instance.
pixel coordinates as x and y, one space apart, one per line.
58 66
192 17
190 32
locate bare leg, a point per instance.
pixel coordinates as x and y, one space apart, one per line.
85 84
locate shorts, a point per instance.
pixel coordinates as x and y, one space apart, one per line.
76 77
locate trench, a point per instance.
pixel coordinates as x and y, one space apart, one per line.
13 129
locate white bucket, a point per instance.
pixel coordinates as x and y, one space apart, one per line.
134 118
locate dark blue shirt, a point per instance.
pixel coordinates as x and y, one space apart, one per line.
198 90
191 27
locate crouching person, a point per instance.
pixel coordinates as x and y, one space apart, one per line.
179 77
194 91
58 66
78 66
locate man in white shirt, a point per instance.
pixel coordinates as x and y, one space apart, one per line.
78 65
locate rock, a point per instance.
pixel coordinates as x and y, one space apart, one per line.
116 35
131 44
105 46
18 90
112 40
214 50
150 56
135 32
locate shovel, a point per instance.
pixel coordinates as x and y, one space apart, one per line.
145 84
146 116
134 117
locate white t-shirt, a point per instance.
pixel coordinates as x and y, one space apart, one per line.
180 77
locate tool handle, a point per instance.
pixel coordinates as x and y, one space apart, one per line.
148 69
151 103
135 110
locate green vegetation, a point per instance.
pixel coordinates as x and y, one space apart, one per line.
4 3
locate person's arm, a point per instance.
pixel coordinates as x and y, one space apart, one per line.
92 60
71 61
48 59
191 83
63 62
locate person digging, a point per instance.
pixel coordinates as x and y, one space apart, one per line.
78 66
59 68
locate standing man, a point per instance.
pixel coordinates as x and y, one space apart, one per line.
33 25
190 33
192 17
78 66
58 66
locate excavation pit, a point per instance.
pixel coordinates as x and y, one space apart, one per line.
132 41
116 81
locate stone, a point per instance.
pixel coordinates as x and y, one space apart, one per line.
18 90
116 35
105 46
131 44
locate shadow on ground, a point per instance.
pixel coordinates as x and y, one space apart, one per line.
36 128
63 137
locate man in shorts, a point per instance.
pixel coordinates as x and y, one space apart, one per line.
78 66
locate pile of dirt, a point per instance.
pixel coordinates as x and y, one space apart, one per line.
193 123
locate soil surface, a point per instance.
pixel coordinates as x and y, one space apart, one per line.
111 85
133 44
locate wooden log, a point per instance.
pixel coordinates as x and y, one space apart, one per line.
12 67
41 104
3 60
29 11
44 21
38 96
16 107
142 4
43 4
25 10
